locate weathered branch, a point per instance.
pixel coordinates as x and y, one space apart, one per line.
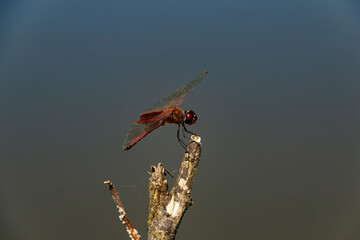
167 209
133 234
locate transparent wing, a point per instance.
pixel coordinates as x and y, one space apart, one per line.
138 131
177 97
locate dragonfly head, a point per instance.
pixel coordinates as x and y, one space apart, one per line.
190 117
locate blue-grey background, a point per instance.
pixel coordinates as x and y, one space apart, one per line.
278 115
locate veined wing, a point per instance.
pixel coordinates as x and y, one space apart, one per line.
177 97
140 130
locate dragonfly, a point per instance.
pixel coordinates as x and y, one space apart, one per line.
166 111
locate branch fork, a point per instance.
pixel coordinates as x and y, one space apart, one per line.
166 209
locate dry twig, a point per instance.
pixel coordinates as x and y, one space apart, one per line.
133 234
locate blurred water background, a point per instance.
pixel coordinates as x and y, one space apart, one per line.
278 115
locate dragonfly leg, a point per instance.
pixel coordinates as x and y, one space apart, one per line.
188 131
183 132
179 139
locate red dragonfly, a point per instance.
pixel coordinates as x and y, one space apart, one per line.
165 111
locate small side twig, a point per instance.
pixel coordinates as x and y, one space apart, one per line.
133 234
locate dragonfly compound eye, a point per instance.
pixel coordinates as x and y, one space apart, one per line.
190 117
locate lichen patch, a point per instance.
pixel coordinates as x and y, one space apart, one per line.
182 184
173 208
